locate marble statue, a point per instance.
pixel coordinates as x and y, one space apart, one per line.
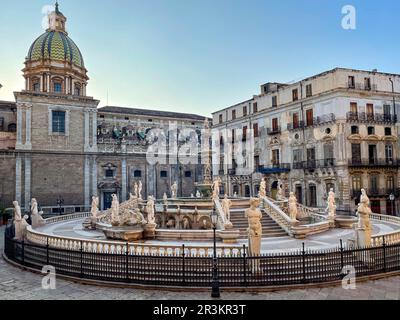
226 205
331 205
216 188
254 231
136 190
174 190
115 210
186 223
235 195
280 196
36 216
151 218
363 227
140 187
165 198
95 206
192 195
263 187
20 223
198 195
293 211
170 224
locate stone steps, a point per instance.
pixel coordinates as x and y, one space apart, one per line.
269 227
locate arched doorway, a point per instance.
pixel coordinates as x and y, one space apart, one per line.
247 191
274 190
236 189
299 193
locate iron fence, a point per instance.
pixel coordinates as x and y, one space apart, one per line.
272 269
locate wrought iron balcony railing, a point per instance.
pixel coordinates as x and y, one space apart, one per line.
362 86
274 168
314 164
376 192
273 131
373 162
312 122
371 117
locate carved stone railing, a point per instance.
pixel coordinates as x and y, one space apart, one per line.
67 217
277 214
222 221
388 237
116 247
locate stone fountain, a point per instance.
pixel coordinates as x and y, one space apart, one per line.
124 221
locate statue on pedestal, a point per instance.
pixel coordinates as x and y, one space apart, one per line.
254 232
140 187
293 211
280 195
216 188
263 188
36 216
226 205
198 195
363 227
20 223
331 205
115 219
95 207
174 190
151 218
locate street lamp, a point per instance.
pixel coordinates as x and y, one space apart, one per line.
215 293
60 202
391 198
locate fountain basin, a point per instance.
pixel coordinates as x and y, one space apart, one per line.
129 234
345 222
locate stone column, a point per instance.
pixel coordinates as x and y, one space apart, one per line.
18 172
48 83
87 181
28 127
94 130
151 180
123 180
27 196
94 176
19 127
86 130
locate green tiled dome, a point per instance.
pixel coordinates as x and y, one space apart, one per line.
57 46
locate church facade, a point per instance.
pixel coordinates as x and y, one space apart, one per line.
57 146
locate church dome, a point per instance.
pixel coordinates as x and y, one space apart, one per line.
55 45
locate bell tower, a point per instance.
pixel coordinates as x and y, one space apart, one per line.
57 20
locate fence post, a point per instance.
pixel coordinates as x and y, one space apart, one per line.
304 263
384 254
23 252
341 254
183 265
81 259
244 265
127 262
47 252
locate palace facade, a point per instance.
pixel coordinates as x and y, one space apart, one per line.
56 144
337 129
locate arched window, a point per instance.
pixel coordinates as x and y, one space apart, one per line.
12 127
77 90
35 85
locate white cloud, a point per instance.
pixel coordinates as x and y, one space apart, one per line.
45 11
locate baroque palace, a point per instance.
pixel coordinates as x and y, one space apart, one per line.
337 129
57 146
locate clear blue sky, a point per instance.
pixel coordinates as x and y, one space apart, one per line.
201 55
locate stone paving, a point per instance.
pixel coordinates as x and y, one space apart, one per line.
16 284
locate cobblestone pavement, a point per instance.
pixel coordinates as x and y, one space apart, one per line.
16 284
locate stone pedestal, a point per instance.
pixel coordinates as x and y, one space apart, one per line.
124 233
229 236
150 231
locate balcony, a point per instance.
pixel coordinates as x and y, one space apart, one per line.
371 117
361 86
296 126
274 131
314 164
314 122
372 162
376 192
232 172
274 168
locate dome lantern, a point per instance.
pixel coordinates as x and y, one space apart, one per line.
54 63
